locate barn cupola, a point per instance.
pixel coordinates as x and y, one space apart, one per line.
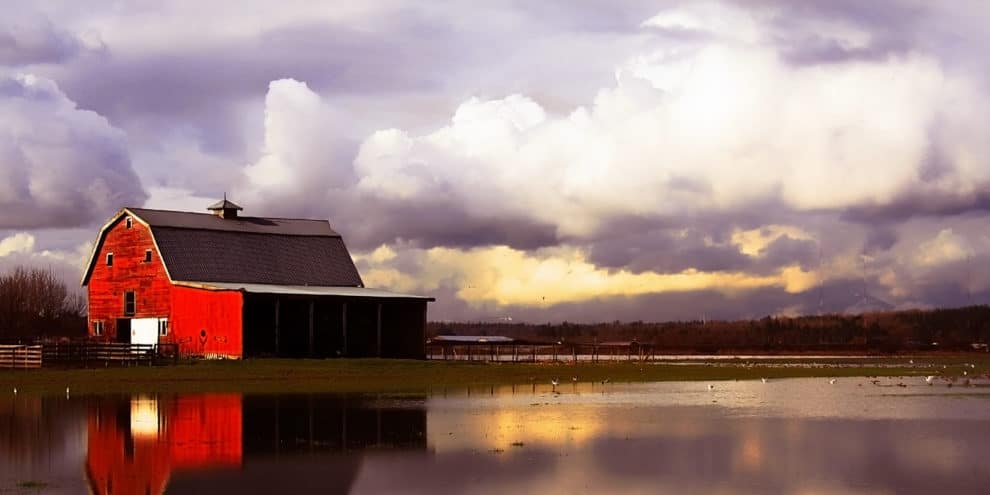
224 209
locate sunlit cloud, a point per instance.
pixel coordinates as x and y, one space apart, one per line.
507 276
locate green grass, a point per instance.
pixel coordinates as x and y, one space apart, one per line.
373 375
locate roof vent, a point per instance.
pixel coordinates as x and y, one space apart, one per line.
224 209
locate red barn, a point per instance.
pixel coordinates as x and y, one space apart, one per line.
228 286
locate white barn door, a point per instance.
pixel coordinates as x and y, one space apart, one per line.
144 331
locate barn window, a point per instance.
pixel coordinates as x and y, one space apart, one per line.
128 222
109 259
163 327
129 303
147 256
97 328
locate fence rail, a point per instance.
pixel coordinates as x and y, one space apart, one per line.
540 352
102 353
20 356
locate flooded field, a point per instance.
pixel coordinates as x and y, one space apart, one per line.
853 435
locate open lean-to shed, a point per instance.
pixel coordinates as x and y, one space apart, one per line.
228 286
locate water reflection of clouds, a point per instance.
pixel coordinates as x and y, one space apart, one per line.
42 438
787 436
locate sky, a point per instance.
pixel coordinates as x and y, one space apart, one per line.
536 161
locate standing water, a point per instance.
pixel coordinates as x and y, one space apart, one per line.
783 436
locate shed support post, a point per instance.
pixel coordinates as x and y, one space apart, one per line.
277 304
378 331
422 334
311 308
343 326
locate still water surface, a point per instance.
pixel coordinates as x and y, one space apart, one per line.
798 436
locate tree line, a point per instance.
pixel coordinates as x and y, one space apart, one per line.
34 303
940 329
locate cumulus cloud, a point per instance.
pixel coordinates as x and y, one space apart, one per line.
22 242
60 166
736 127
296 155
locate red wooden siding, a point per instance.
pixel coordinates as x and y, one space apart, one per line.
107 284
206 323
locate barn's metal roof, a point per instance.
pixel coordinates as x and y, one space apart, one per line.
255 250
216 256
303 290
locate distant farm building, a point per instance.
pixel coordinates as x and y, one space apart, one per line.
229 286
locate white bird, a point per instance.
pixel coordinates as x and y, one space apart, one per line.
929 379
711 387
15 390
972 366
66 392
554 382
763 379
965 373
911 361
831 382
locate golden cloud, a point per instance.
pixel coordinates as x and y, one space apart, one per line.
507 276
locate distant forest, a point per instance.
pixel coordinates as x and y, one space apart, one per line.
941 329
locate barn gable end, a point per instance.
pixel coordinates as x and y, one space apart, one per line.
225 285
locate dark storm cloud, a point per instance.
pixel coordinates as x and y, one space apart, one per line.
815 49
666 251
922 204
201 87
59 166
880 238
785 251
891 29
36 41
371 222
960 282
672 244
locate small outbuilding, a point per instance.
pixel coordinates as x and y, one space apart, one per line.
222 285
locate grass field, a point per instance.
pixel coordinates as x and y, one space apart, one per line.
372 375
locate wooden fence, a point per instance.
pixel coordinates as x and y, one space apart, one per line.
20 356
107 354
540 352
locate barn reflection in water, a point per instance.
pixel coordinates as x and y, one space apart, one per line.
228 442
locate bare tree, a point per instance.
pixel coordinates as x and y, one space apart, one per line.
35 303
